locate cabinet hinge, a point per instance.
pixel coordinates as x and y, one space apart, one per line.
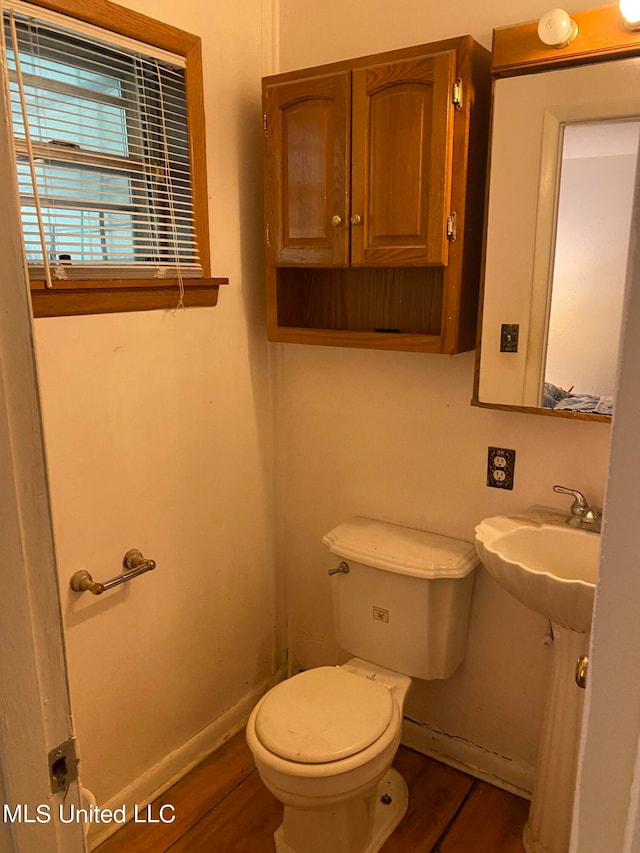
268 236
451 227
456 96
63 766
265 124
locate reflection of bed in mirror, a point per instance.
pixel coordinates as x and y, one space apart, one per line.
565 399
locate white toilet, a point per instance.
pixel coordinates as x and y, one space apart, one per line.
324 740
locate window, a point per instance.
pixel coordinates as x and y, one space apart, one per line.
108 139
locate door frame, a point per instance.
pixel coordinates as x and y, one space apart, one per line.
34 699
607 803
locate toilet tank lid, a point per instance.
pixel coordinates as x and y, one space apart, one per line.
403 550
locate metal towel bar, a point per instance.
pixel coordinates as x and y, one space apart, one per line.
134 564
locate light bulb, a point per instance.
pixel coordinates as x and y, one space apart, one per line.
556 28
630 11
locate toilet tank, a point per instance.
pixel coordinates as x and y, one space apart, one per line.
405 600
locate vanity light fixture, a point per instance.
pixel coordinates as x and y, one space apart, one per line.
557 29
630 11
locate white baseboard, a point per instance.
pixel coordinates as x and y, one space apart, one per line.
499 770
155 781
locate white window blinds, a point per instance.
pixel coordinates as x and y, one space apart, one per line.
102 152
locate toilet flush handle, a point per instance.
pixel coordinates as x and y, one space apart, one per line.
343 568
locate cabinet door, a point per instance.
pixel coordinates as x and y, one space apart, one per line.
308 173
402 160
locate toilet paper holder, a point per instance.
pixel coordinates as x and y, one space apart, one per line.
134 565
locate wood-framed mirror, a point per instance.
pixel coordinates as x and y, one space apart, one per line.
563 178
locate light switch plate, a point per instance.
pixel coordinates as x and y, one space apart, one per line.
509 337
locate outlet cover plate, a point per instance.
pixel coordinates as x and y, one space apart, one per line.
501 464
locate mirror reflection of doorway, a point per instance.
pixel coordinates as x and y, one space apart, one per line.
530 115
595 199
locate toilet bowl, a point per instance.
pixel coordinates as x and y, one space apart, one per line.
323 743
324 740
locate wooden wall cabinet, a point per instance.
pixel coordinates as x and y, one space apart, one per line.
375 176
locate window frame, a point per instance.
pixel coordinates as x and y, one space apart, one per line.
72 297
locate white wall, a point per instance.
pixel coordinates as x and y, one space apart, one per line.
393 436
314 33
158 437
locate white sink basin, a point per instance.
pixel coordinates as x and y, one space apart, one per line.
544 563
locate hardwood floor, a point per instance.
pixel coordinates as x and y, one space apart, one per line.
222 807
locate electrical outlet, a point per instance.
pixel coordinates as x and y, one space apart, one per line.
500 468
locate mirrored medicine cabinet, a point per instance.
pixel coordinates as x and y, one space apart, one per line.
563 184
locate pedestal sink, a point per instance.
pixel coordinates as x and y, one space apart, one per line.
551 568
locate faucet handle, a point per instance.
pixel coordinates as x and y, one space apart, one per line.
580 504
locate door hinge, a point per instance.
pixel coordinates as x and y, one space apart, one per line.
265 124
63 766
457 94
451 227
268 236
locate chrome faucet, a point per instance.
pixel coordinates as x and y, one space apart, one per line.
582 515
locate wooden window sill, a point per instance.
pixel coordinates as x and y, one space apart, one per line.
106 297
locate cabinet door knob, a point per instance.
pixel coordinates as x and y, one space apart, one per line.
356 219
336 220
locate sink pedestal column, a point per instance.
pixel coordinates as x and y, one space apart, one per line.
549 826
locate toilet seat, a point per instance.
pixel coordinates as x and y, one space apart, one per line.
322 715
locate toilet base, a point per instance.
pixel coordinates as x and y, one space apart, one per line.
360 826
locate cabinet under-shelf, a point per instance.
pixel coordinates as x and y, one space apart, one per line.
385 308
